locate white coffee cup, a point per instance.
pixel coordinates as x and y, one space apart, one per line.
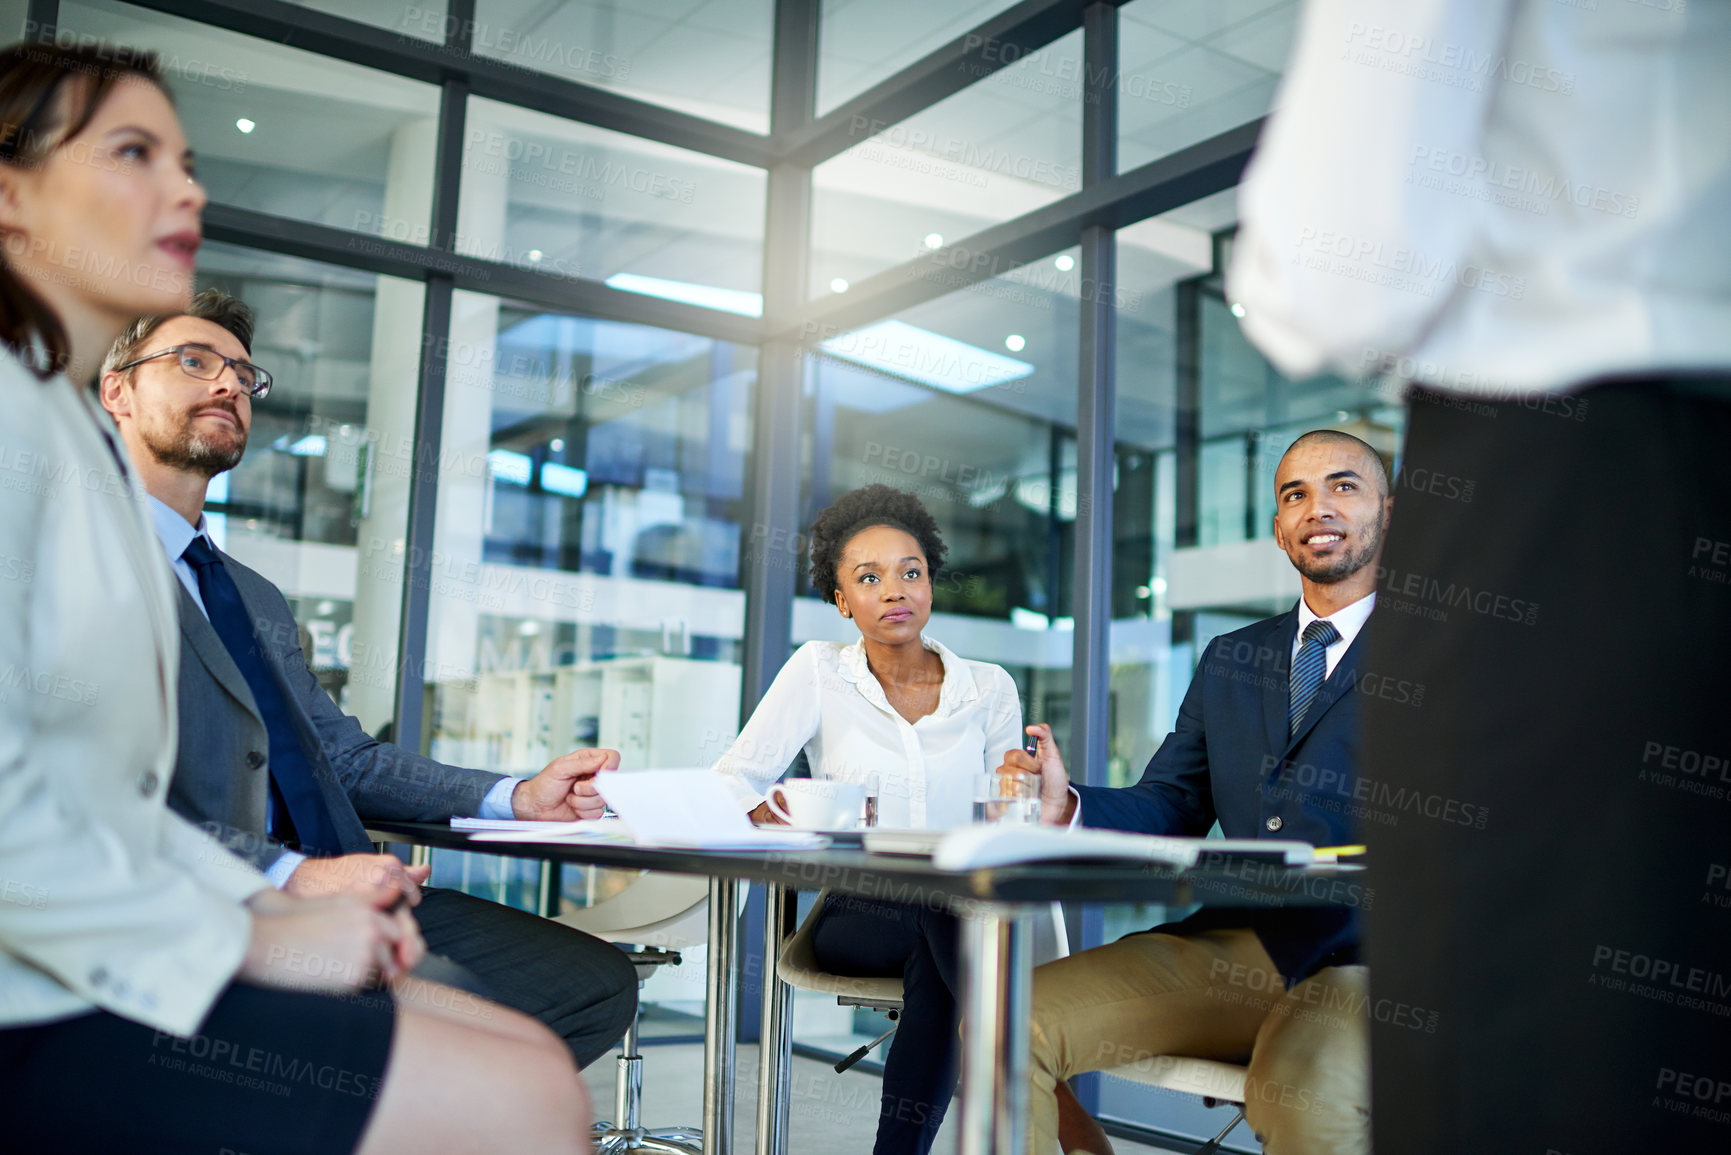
817 804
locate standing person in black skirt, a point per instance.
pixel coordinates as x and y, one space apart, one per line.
157 995
1539 243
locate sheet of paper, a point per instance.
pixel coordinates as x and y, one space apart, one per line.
692 808
509 830
521 824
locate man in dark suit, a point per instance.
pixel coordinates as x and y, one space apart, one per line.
267 761
1266 744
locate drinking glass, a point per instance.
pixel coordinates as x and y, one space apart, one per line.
1010 797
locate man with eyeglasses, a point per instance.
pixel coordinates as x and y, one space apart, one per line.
267 761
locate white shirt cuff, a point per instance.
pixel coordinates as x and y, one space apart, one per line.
497 803
279 871
1076 814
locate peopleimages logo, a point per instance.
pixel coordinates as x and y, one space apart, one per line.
1452 595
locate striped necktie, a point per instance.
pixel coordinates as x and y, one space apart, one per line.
1308 669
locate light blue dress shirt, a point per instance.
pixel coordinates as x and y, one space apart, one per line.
175 534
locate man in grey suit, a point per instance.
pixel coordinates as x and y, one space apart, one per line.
268 762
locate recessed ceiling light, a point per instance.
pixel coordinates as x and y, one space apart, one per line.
536 255
1014 343
557 445
839 285
245 125
709 296
1237 309
556 478
1065 262
902 350
934 240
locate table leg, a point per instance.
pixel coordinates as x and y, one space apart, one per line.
774 1042
997 969
720 1016
547 886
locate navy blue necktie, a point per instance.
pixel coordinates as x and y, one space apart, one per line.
294 788
1308 670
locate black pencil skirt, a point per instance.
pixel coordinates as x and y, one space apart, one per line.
269 1072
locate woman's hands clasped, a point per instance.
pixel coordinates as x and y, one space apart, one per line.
344 942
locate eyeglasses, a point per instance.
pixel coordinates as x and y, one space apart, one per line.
204 364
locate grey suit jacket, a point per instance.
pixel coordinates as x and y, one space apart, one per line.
221 776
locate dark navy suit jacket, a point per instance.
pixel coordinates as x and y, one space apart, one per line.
1229 758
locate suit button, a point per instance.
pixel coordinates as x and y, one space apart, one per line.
148 782
254 759
1274 823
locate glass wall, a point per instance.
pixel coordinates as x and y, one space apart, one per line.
583 570
563 198
284 131
706 57
999 148
308 505
585 579
1190 71
862 42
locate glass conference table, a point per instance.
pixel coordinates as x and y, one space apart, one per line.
996 906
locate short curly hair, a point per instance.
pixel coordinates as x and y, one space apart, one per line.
862 509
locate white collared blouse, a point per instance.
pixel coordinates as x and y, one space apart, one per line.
827 701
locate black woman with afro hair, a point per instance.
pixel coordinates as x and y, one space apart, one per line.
899 706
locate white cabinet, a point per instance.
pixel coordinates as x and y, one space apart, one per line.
656 711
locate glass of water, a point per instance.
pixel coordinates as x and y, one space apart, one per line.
1007 798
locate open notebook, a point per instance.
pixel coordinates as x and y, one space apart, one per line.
1002 844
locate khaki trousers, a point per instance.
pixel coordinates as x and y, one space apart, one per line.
1211 995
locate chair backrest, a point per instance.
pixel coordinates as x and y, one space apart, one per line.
664 910
797 964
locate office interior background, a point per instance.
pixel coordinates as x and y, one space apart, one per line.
580 310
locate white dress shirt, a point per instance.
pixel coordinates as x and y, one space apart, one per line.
1494 198
1346 621
827 701
175 534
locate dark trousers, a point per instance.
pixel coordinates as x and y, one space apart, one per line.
1557 578
868 939
582 988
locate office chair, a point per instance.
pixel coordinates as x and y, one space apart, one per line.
1216 1082
796 965
651 920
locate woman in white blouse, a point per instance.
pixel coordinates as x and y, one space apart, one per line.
928 725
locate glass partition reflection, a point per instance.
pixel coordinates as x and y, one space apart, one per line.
572 200
1190 71
285 131
1001 147
710 59
300 507
864 42
584 576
